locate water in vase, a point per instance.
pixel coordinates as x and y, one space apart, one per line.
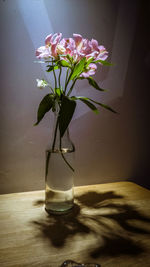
59 181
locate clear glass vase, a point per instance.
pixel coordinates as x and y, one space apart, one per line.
59 173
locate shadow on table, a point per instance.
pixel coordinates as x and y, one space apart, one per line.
113 225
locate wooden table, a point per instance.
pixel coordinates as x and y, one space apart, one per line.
109 225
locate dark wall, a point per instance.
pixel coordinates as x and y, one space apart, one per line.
139 74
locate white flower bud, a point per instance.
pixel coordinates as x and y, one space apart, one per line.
41 83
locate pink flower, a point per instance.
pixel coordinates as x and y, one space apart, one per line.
50 48
94 45
42 52
77 47
97 52
69 45
78 41
90 70
103 54
52 42
48 39
73 47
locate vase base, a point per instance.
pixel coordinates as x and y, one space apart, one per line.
58 201
57 209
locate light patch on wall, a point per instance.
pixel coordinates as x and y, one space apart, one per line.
36 21
38 25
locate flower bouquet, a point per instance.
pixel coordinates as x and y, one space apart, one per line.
79 57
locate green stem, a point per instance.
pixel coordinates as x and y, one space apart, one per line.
51 89
66 76
47 162
60 147
55 77
67 162
63 155
55 134
67 80
71 88
59 76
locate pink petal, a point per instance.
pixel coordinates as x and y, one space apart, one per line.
68 50
80 54
53 38
40 49
101 48
48 39
103 56
54 43
53 50
94 44
85 75
93 66
63 42
91 72
86 47
57 37
71 44
78 38
44 55
93 54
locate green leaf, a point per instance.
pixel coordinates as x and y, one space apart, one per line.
66 112
86 101
64 63
52 68
102 105
93 83
81 78
78 69
70 58
45 105
89 61
106 106
104 62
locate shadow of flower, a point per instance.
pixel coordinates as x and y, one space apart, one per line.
115 245
114 224
93 199
58 228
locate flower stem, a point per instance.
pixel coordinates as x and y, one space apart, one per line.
60 147
67 75
68 79
67 162
51 89
55 134
59 76
71 88
61 151
55 77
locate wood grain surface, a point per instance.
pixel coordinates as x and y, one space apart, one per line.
109 225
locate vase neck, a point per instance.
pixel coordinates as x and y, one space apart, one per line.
64 143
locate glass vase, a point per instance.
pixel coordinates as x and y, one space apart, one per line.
59 173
